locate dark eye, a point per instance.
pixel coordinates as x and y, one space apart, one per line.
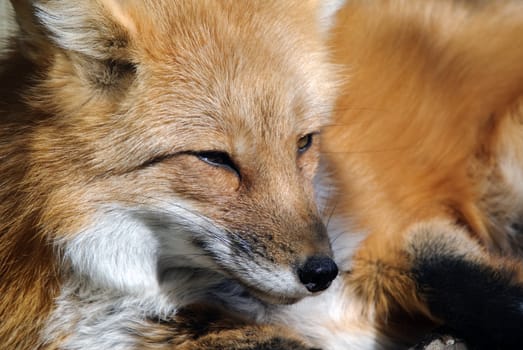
217 159
305 142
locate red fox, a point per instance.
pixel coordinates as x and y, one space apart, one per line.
425 150
158 156
163 184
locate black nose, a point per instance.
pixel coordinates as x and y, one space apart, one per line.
317 273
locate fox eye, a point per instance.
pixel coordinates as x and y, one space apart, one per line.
305 142
218 159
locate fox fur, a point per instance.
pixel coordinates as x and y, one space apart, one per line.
134 189
426 152
163 183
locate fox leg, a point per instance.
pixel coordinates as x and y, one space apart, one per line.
200 327
479 297
436 277
246 338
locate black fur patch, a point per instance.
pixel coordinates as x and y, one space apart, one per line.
478 303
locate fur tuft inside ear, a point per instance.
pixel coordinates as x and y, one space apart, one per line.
89 39
98 28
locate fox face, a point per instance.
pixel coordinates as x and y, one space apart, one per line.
176 138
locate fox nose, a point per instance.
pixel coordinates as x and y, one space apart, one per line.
317 273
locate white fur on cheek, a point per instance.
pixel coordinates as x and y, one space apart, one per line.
176 226
117 252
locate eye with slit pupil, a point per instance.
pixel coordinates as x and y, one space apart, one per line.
304 143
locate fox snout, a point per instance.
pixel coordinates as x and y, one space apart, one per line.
317 273
285 265
318 269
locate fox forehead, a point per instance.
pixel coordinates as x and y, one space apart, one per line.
209 76
234 76
209 81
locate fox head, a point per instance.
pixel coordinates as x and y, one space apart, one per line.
170 136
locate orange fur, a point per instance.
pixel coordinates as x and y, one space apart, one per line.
109 102
428 111
114 106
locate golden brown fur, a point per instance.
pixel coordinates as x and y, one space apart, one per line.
424 129
112 109
108 103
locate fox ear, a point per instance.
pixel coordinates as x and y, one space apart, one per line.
326 12
95 36
99 29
